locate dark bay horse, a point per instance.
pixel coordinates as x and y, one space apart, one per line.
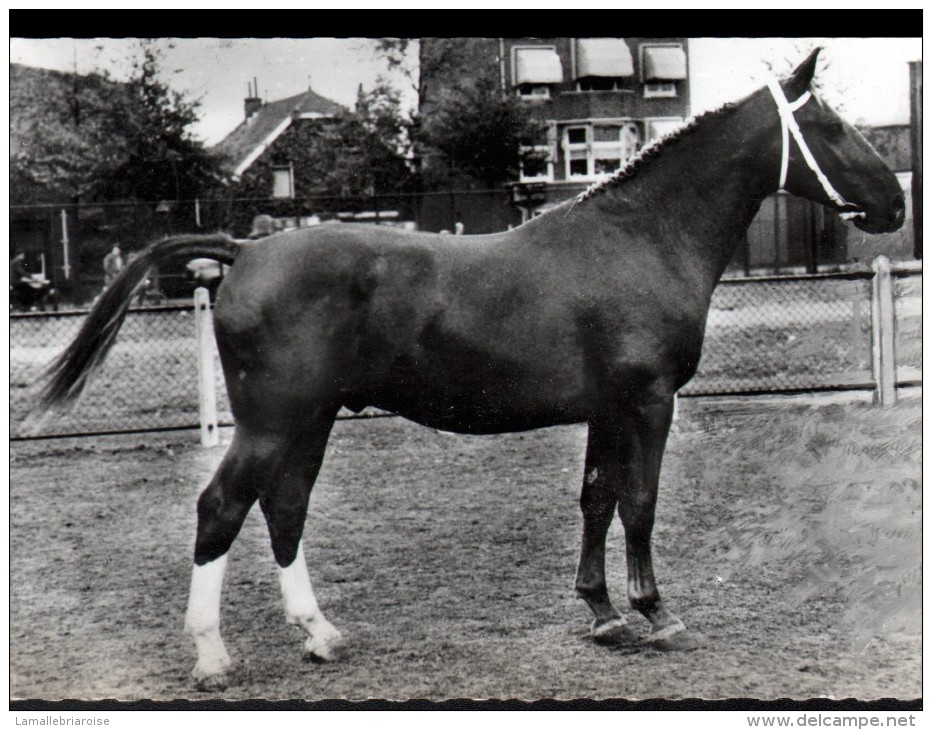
594 312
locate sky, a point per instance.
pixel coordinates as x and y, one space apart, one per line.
865 79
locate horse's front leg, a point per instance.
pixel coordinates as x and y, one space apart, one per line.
598 502
646 425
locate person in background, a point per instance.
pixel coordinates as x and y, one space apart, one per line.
145 289
29 291
20 281
113 264
18 269
262 226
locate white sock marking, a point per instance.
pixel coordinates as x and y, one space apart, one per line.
302 610
202 619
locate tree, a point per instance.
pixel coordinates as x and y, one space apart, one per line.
468 124
91 138
396 53
482 132
154 156
376 144
355 153
58 133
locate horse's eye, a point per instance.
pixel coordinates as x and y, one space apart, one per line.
834 129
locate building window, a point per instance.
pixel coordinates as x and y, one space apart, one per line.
663 66
596 150
659 89
534 69
536 164
661 127
598 83
283 182
577 151
534 91
537 156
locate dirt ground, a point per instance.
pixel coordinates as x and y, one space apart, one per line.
788 537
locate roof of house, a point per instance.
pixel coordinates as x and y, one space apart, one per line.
253 136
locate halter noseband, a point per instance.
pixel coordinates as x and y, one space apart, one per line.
790 126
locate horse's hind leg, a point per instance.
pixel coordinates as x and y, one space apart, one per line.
284 501
221 509
301 609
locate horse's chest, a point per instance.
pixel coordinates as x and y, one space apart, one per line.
643 339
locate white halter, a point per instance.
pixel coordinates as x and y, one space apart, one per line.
790 126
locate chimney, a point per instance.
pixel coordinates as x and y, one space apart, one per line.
252 103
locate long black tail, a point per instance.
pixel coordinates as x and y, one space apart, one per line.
71 371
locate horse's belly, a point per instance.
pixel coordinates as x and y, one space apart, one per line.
484 399
480 418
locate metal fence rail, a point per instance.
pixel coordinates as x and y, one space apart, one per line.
764 335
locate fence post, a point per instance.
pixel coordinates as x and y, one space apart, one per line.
206 383
883 323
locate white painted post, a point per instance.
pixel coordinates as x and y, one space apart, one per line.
883 323
206 384
66 264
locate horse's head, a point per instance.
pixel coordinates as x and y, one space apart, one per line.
825 159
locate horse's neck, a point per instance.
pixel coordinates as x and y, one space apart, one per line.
699 195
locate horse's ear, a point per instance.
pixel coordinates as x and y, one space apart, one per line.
802 76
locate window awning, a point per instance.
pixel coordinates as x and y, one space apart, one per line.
603 57
537 66
664 63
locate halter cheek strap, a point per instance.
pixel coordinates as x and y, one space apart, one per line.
790 126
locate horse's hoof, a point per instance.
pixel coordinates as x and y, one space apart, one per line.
322 648
216 682
615 633
681 640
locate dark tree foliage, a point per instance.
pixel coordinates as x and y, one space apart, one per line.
480 131
394 51
59 133
359 152
468 126
91 139
154 156
374 141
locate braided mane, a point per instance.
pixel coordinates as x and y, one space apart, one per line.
648 153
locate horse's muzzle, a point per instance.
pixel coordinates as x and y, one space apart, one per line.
874 223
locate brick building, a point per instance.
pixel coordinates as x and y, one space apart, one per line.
600 99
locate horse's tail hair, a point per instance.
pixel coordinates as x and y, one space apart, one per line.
70 372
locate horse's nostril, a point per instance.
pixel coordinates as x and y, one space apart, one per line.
899 210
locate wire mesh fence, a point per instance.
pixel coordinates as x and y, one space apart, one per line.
907 304
148 381
765 335
787 334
